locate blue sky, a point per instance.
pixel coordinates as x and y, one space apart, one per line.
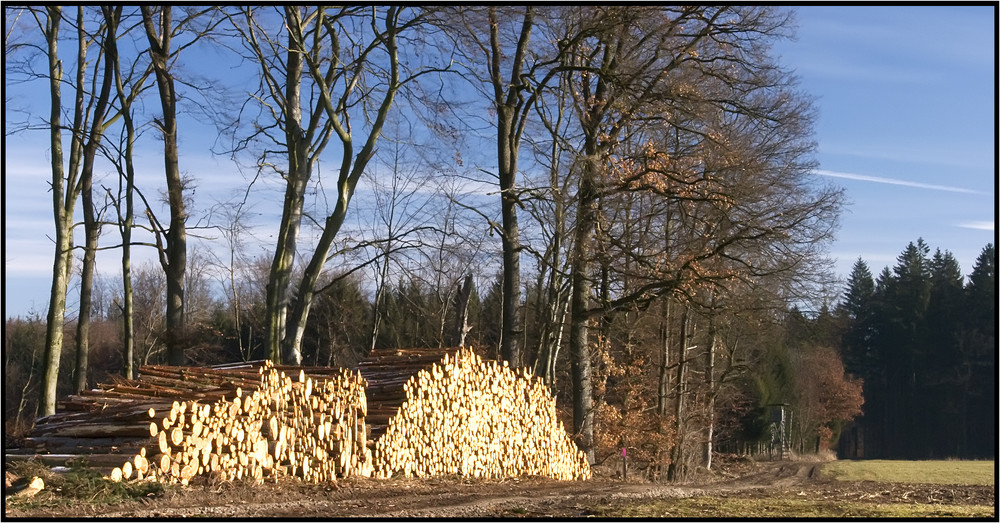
907 125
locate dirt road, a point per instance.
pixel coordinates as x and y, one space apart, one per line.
461 498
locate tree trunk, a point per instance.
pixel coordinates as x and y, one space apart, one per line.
125 221
462 295
64 194
280 275
173 256
711 394
507 102
678 469
352 166
300 165
92 228
663 376
583 411
296 325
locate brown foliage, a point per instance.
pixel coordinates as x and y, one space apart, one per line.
827 394
627 415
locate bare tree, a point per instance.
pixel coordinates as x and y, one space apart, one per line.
91 222
388 30
304 136
511 72
347 61
399 213
172 242
122 157
65 191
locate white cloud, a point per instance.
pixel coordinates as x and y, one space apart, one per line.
894 181
978 225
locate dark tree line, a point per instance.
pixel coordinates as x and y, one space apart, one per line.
923 339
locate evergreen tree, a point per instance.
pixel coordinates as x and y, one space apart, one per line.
859 307
939 385
924 343
981 292
906 300
979 356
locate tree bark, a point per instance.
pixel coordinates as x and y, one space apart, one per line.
509 107
712 392
126 174
64 194
663 375
579 349
173 255
92 229
678 468
350 172
462 295
299 170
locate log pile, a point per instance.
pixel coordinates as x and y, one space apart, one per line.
387 371
203 422
417 412
463 415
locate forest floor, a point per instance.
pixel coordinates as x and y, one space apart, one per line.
738 489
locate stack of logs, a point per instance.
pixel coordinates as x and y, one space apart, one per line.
415 412
463 415
312 428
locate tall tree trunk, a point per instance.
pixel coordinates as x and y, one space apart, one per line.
663 374
128 308
126 174
678 468
92 228
579 349
173 256
64 194
509 107
712 392
350 173
280 276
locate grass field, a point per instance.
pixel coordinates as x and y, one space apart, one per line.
787 506
937 472
842 498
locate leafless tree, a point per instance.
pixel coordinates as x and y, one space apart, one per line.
91 222
66 186
172 240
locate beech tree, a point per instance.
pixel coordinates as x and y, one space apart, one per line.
66 184
727 149
122 157
348 62
91 222
171 241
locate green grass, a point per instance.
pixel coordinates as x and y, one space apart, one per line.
937 472
783 507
